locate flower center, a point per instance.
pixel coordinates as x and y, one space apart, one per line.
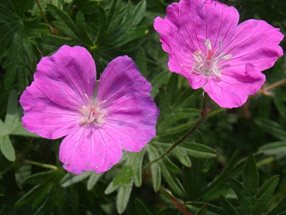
92 114
208 63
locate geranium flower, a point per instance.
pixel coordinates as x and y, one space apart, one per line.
98 121
212 51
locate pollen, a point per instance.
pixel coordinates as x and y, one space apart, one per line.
208 63
92 114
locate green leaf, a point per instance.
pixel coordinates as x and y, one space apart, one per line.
22 173
155 168
124 176
35 193
192 149
228 207
251 176
135 160
51 42
139 12
13 125
11 14
211 208
123 183
200 151
47 194
158 81
17 42
171 94
3 130
111 188
264 195
93 179
112 10
95 19
202 211
141 61
81 24
12 116
279 100
182 156
64 22
122 25
237 187
39 178
20 131
232 168
276 148
44 3
141 208
70 179
279 208
172 181
123 197
130 35
23 62
7 148
273 128
178 128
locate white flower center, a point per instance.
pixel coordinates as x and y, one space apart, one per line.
92 114
208 64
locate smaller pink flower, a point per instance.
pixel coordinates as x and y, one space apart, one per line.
98 121
212 51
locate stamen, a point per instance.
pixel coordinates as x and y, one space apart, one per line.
92 114
208 44
227 57
208 63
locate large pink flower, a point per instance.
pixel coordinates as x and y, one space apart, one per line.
212 51
98 122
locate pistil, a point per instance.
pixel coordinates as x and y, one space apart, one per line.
208 63
92 114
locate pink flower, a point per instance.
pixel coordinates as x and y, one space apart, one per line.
98 121
212 51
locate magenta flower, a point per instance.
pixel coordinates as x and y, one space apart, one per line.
212 51
98 121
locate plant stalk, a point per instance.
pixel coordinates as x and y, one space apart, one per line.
44 16
47 166
176 202
201 119
267 90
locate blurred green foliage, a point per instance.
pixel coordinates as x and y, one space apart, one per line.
234 164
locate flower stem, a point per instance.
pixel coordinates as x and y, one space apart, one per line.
44 16
176 202
201 119
266 90
47 166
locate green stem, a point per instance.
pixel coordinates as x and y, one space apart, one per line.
176 202
267 90
47 166
202 118
44 15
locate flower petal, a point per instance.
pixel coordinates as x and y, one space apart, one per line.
255 42
187 26
209 19
44 117
233 89
67 77
89 149
131 111
174 40
119 76
132 122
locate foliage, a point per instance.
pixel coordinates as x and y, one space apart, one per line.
233 164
